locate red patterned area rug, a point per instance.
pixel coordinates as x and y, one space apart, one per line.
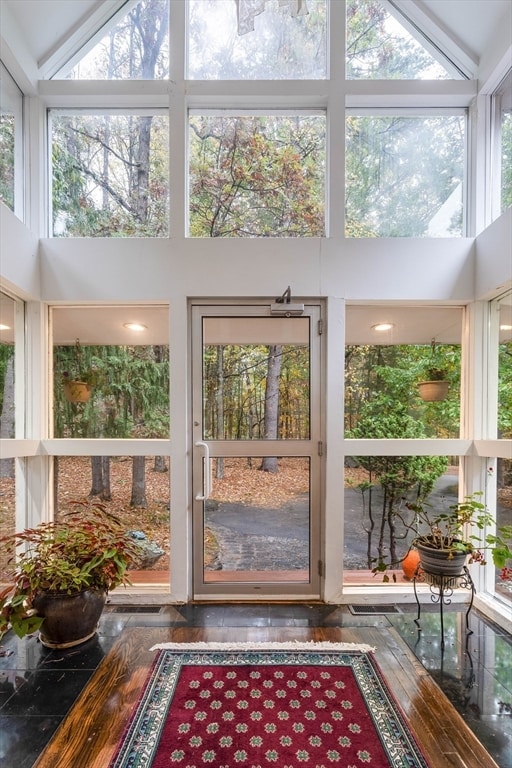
317 705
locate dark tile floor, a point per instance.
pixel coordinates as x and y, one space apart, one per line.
38 686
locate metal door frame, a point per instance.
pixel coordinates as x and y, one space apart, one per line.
312 449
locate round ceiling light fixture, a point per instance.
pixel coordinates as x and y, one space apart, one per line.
4 327
135 326
383 326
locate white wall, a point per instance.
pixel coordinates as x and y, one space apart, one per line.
493 269
19 261
160 270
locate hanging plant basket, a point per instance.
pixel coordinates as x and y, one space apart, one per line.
77 391
433 391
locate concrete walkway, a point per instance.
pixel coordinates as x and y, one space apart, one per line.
254 538
258 538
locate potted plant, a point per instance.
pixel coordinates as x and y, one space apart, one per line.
447 540
434 386
78 379
63 573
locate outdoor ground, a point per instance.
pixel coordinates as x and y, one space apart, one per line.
241 483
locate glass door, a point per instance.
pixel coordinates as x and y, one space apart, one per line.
256 452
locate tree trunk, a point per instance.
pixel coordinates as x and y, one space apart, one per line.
142 172
100 478
160 464
139 482
56 487
106 494
7 416
270 424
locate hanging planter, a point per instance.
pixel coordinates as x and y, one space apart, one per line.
435 386
433 390
77 391
77 382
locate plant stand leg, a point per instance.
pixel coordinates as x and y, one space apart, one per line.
417 619
467 582
441 591
441 612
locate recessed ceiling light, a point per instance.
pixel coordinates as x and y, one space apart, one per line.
383 326
4 327
135 326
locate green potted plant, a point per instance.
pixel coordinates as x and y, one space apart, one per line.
434 386
447 540
63 572
78 379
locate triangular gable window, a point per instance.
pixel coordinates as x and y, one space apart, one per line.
379 47
135 47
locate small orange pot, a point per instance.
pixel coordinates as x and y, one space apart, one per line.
410 564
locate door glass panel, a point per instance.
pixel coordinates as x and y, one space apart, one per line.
256 378
257 520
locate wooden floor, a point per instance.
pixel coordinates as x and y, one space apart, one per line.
88 736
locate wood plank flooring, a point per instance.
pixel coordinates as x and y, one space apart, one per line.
88 736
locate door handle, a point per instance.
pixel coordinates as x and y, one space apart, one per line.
207 479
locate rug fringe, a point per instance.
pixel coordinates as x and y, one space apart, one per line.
295 645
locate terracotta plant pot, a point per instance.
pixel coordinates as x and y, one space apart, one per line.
69 619
77 391
410 564
441 562
433 391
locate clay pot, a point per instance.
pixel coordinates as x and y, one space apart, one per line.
433 391
77 391
410 564
69 619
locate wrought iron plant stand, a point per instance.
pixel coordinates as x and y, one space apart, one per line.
441 592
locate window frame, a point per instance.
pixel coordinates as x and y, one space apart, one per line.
500 97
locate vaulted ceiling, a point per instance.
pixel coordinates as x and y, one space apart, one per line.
46 24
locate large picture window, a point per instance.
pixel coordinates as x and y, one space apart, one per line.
109 174
379 524
502 159
132 47
405 175
110 372
257 175
252 45
379 47
11 135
